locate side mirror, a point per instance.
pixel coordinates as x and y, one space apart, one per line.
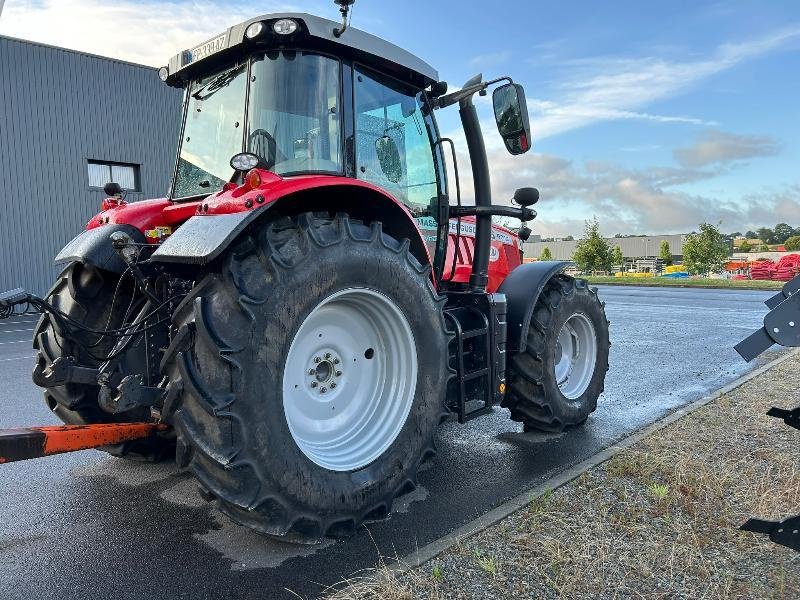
511 114
112 188
389 158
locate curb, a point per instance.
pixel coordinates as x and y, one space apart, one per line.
433 549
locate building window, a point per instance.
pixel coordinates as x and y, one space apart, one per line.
101 173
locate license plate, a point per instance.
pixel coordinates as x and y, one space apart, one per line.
206 49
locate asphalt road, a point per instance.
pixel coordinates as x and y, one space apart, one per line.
85 525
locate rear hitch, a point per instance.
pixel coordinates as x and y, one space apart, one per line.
65 370
131 393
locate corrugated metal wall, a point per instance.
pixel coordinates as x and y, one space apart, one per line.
632 247
58 109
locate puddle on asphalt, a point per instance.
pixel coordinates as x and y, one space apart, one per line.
403 503
127 472
249 550
245 549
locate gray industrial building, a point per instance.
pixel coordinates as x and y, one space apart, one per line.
69 122
632 247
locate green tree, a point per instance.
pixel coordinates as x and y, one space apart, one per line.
782 232
751 235
546 254
764 248
664 253
616 256
744 247
766 235
705 252
792 243
592 252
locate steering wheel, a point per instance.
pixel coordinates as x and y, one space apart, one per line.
261 143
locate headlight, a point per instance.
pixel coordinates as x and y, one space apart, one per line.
284 26
163 73
254 30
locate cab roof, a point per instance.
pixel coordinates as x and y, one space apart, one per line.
313 33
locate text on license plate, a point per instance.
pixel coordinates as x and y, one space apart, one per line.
207 48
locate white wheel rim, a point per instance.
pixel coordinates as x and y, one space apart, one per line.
576 356
350 379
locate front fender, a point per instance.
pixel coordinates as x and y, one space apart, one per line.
522 288
93 246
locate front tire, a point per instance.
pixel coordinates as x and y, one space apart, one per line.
555 382
291 306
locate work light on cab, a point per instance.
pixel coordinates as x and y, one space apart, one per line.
244 161
284 26
254 30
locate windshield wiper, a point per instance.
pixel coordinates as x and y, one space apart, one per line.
219 82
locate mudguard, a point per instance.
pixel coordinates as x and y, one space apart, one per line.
522 288
93 246
202 238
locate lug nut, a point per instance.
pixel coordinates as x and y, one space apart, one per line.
338 373
323 390
311 371
333 384
327 355
317 359
336 361
313 384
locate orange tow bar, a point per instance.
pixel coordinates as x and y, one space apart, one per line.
35 442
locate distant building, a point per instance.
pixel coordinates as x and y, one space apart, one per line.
632 247
69 123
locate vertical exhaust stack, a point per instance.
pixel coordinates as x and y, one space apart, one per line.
483 189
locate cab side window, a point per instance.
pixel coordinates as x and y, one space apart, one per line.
393 146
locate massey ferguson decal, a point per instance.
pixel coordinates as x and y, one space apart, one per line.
467 229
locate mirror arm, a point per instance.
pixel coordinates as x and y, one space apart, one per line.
523 214
466 92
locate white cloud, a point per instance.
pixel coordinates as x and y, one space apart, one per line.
148 32
484 61
715 147
603 89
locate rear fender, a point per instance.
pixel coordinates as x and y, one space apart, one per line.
203 238
522 288
93 247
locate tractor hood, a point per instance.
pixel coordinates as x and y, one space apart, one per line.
311 33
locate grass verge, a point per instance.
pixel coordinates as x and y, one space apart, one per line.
701 282
659 519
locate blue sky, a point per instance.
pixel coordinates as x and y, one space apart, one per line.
651 116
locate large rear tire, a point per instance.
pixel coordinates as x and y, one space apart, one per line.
87 294
556 381
308 376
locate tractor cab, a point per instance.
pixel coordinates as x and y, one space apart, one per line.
307 98
286 89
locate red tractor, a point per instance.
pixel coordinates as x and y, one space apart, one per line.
311 301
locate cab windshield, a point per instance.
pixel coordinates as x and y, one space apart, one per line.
292 122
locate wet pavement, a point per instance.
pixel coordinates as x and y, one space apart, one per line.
85 525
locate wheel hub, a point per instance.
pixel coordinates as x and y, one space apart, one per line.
349 379
325 371
575 356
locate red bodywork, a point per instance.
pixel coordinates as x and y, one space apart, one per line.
151 217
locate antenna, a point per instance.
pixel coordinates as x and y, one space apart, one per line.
344 8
